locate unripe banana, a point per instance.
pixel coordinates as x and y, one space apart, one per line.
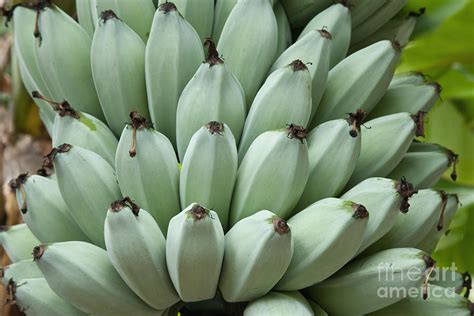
326 236
213 94
280 304
62 53
200 14
424 164
384 199
408 78
251 24
337 19
221 13
333 148
87 15
17 241
88 184
318 311
252 246
376 20
81 274
136 248
407 98
44 210
147 170
272 174
358 81
440 302
429 243
284 97
173 54
385 141
195 239
35 298
24 269
363 9
284 29
426 210
301 11
314 50
118 68
451 279
138 14
209 170
356 288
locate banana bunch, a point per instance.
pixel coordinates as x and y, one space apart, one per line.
229 157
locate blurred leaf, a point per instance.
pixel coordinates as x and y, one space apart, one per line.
457 83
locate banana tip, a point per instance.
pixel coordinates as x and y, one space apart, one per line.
38 252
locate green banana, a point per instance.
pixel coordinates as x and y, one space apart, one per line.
429 243
136 248
147 170
221 13
213 94
358 81
251 24
337 19
450 278
385 141
408 78
24 269
410 228
209 170
173 54
118 69
334 145
440 302
82 274
326 236
272 174
285 38
251 246
195 239
361 10
318 311
314 50
17 241
280 304
62 53
376 20
284 97
300 12
384 199
410 98
87 183
424 164
365 285
138 14
200 14
44 210
35 298
87 15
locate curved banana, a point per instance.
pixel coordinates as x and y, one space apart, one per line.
147 170
313 50
272 174
284 29
358 81
251 24
24 269
82 274
280 304
364 285
363 9
337 19
213 94
63 44
118 68
424 164
195 239
209 170
384 199
136 248
318 311
221 13
451 279
88 185
87 15
333 148
408 78
173 54
385 141
326 236
284 97
301 11
253 245
17 241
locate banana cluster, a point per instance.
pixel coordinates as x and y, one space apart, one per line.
229 157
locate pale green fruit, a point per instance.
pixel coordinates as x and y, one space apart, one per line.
279 304
17 241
